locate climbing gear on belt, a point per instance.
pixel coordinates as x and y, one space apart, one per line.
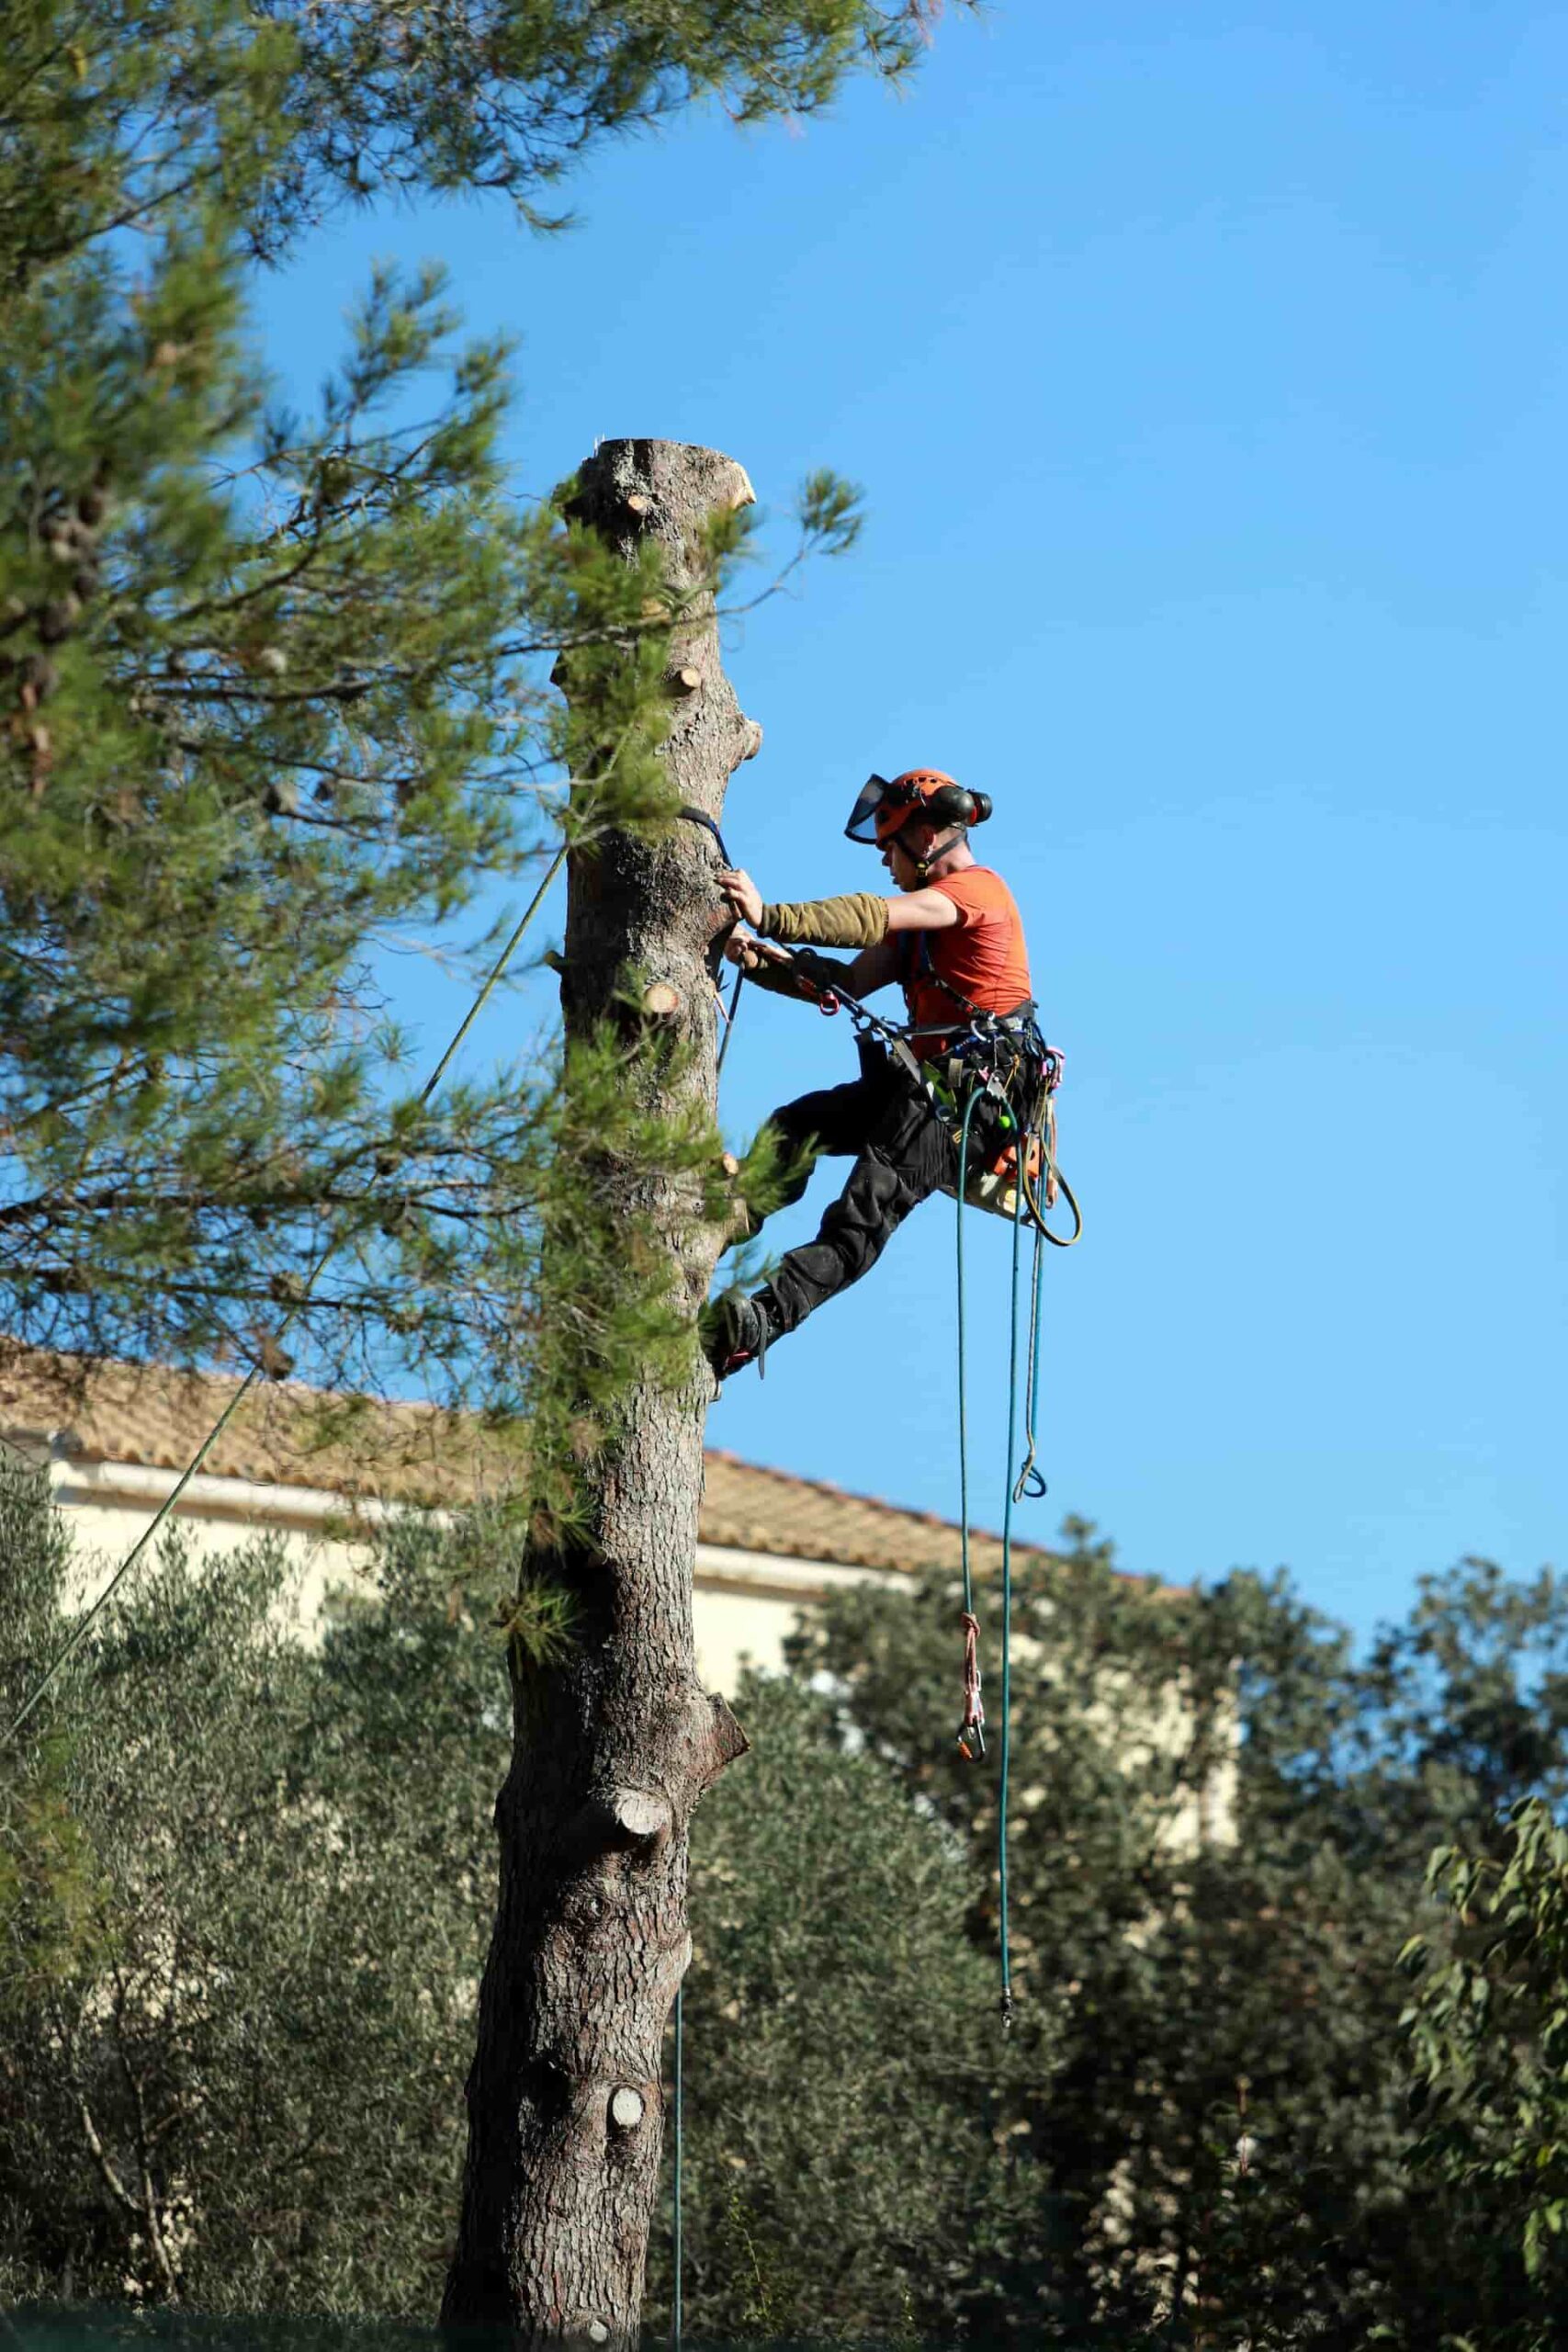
1017 1068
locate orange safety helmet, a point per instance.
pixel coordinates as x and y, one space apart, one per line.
884 808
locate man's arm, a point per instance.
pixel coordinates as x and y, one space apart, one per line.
859 919
921 910
770 966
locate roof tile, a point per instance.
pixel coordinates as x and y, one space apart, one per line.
285 1433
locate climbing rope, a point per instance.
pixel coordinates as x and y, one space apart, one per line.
1031 1483
1028 1481
1007 1610
85 1625
728 1020
972 1729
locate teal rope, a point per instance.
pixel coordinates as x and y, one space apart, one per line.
680 2135
1007 1610
962 1375
1030 1483
1002 1786
84 1624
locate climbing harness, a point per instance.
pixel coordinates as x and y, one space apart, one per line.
993 1055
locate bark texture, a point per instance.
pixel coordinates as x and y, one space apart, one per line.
612 1750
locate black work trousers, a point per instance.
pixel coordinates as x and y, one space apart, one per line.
902 1151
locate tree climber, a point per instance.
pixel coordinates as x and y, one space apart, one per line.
954 940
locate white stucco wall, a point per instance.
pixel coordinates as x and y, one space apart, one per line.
745 1603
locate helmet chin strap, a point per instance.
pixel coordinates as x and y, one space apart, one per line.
937 850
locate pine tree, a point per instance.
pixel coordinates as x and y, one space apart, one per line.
272 692
272 686
614 1746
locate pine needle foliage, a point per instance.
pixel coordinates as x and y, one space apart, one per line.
510 95
273 700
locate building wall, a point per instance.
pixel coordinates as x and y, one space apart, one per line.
745 1603
741 1611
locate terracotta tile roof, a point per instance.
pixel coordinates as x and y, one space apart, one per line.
285 1433
805 1519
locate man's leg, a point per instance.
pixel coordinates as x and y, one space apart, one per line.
834 1121
906 1153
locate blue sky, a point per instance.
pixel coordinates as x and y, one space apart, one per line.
1205 378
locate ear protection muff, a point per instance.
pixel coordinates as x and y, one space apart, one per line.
954 804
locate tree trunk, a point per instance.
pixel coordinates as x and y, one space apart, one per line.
612 1749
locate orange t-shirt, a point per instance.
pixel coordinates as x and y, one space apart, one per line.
982 955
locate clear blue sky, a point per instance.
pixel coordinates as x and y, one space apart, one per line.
1205 375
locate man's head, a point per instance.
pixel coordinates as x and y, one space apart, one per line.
917 821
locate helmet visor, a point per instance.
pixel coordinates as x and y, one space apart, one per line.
861 826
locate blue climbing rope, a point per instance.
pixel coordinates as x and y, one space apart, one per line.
1030 1485
963 1373
971 1736
1007 1608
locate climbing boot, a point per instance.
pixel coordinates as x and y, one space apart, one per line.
735 1331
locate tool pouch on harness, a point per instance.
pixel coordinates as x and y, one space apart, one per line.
1009 1064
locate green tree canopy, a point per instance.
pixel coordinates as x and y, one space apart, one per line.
264 1893
1196 1975
241 2083
273 695
1488 2045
